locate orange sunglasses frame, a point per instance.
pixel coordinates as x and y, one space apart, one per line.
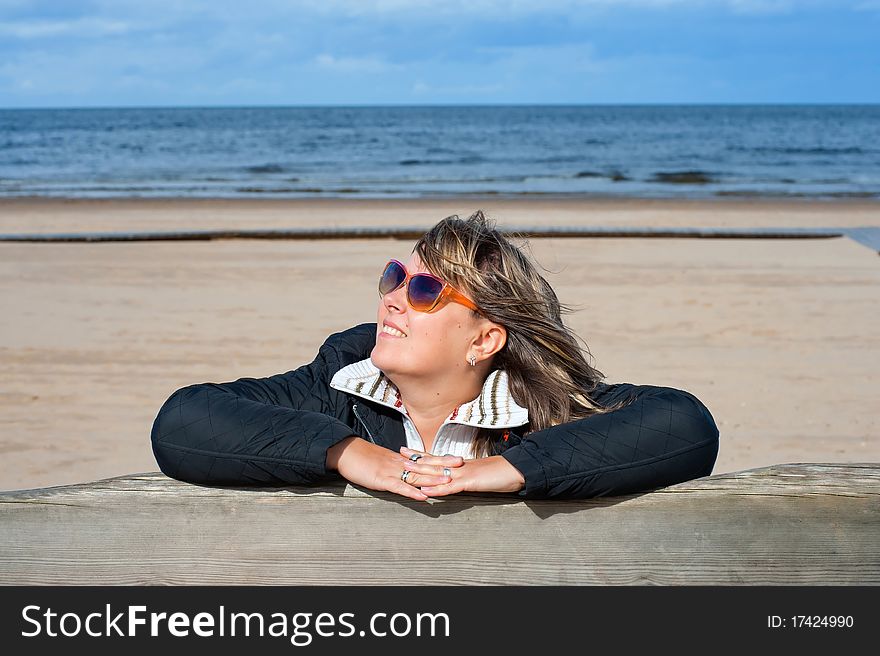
447 293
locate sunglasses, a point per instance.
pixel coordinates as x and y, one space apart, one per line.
424 291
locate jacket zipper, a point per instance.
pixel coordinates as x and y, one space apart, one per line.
355 410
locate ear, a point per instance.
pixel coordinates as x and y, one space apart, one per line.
491 339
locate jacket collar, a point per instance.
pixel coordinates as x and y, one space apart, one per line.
494 407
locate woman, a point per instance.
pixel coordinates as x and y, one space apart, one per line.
468 358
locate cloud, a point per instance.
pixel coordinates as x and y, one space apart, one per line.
398 51
571 57
422 89
82 27
761 6
367 64
516 8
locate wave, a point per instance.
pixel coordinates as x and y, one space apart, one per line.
558 158
613 175
465 159
683 177
420 162
265 168
350 192
756 193
299 190
816 150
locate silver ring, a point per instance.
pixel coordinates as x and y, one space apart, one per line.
414 457
447 471
406 472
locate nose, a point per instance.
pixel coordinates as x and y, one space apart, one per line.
396 299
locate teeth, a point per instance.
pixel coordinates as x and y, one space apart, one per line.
392 331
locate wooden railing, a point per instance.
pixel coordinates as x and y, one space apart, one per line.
778 525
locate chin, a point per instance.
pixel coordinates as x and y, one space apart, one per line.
387 362
377 359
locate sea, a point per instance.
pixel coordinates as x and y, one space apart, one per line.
637 151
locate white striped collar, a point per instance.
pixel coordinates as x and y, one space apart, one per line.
366 380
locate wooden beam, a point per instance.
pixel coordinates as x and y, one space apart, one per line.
411 233
784 524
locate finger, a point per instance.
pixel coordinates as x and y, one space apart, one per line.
426 470
407 453
418 479
440 490
407 490
428 459
447 461
452 462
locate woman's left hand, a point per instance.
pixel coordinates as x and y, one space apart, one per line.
492 474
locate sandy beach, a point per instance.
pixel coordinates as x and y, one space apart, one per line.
779 338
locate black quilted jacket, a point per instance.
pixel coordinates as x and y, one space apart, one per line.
276 431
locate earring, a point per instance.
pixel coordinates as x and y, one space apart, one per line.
473 360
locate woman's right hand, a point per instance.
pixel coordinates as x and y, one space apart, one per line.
377 468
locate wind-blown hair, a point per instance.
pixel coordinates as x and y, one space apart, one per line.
547 370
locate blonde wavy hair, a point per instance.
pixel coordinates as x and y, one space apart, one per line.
547 369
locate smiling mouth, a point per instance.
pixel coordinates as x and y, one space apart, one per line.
393 332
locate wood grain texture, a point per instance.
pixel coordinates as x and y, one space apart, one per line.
782 525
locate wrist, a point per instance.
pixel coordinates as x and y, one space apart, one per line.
335 452
513 480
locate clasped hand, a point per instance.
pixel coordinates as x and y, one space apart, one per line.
378 468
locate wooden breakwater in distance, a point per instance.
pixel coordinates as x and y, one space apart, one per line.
414 232
866 235
792 524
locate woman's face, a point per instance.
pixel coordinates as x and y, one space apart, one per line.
436 342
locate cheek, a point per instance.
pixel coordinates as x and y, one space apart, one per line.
442 338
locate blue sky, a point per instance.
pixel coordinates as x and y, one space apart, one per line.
391 52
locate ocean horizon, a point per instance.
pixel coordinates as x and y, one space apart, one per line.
420 151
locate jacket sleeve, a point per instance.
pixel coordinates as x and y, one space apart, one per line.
253 431
662 437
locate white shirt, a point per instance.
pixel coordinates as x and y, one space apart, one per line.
494 407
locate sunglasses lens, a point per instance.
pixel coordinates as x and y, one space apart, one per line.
423 291
391 278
